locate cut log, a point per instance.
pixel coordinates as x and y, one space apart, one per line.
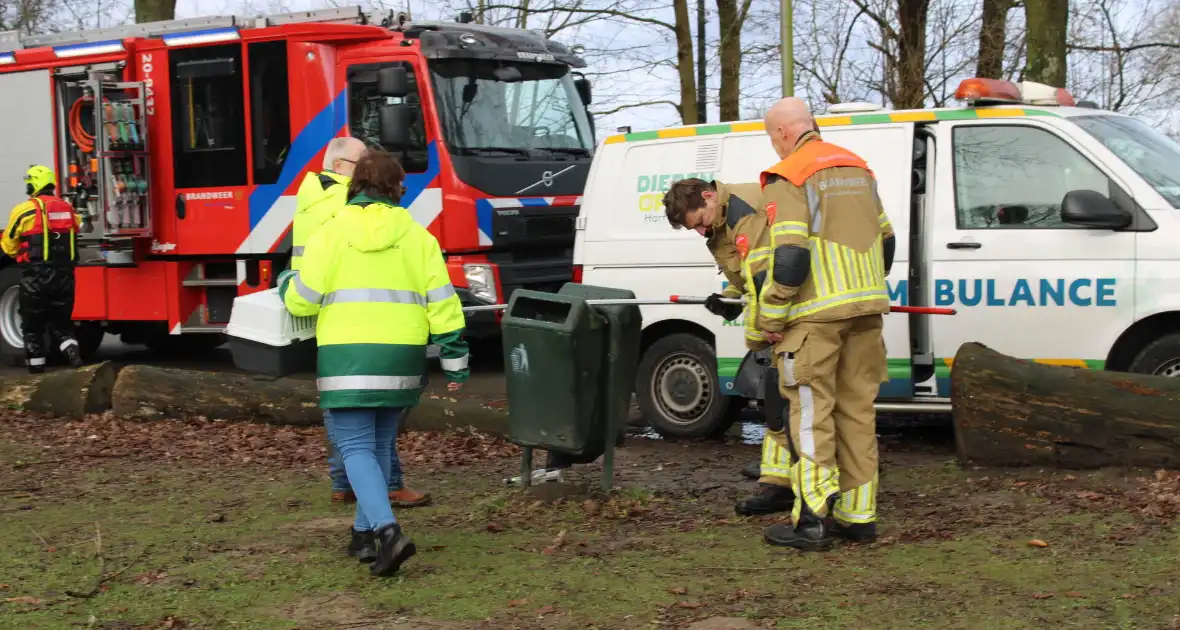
65 393
1013 412
155 393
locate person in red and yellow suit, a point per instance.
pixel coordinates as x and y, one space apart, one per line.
821 306
42 236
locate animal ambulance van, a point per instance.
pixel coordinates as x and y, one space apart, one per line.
1052 229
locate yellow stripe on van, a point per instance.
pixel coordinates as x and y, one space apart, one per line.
868 118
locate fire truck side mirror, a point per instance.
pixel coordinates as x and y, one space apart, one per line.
396 120
393 82
583 86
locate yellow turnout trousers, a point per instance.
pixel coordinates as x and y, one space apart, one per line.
776 459
829 373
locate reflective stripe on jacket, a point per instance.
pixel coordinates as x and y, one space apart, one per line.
42 229
320 196
380 287
740 245
824 207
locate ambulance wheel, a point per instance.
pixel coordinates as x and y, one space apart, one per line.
678 389
1160 357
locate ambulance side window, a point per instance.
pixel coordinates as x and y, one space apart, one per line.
1015 176
208 125
364 113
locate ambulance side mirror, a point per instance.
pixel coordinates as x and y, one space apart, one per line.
393 82
582 84
1093 209
396 120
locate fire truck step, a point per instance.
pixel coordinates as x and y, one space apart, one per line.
211 282
202 328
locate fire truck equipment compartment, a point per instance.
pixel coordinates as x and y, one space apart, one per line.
265 338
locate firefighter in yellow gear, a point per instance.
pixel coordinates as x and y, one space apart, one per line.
322 194
730 216
822 305
42 237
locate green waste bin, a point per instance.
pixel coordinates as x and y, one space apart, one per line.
553 356
620 367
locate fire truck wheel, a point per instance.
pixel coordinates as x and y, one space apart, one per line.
678 389
89 336
12 347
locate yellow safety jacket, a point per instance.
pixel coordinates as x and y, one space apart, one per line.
827 258
320 196
380 287
740 245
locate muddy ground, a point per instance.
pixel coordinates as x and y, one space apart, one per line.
118 525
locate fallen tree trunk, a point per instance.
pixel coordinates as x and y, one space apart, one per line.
65 393
155 393
1013 412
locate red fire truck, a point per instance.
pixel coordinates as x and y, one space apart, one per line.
183 143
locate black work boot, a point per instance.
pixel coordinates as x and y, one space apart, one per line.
753 471
393 548
861 533
73 355
363 546
809 534
769 500
36 369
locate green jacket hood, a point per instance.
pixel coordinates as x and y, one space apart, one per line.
312 190
374 225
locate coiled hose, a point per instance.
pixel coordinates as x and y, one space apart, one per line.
83 140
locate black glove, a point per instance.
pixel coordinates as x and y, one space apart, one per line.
726 310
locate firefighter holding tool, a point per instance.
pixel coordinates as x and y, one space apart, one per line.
822 306
42 236
737 233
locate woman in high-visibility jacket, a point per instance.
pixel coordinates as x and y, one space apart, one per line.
379 285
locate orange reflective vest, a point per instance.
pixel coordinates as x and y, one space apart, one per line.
811 158
47 232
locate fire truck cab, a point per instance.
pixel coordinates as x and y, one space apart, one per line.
182 145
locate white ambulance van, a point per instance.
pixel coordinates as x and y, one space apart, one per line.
1052 229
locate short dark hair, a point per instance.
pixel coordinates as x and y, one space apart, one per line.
685 196
378 174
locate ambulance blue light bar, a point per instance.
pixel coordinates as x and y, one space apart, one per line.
207 36
88 48
7 58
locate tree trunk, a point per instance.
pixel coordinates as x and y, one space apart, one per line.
991 39
68 394
1047 22
154 10
911 54
1012 412
702 67
729 52
155 393
684 64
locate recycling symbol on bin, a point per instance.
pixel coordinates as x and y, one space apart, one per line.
519 358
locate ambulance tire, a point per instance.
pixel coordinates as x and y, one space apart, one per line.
1160 357
678 389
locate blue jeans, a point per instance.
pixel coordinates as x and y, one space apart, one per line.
336 465
365 438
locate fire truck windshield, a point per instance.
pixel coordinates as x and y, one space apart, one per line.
490 107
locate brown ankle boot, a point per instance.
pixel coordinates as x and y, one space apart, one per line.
406 498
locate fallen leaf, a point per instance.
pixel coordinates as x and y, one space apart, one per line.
1019 484
1130 596
1042 595
1073 594
23 600
1037 542
1070 478
495 528
437 547
545 610
690 605
1092 496
518 602
679 590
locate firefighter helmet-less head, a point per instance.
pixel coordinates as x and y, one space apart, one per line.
37 178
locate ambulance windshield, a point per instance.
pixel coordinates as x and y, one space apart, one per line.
1154 156
489 107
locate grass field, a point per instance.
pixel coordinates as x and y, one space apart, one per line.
113 525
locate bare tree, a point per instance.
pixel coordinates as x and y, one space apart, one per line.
1047 24
992 33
